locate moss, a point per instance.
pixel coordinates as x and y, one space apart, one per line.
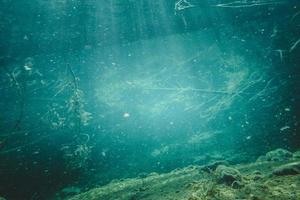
278 155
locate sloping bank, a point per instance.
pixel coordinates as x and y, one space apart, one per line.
275 175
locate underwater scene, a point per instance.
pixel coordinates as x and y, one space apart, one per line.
149 100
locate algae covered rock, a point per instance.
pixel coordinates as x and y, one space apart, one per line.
287 169
278 155
228 175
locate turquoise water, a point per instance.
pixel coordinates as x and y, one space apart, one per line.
93 91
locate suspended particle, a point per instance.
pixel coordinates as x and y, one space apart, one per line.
126 115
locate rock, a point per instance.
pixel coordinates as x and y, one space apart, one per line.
296 155
287 169
213 166
228 175
278 155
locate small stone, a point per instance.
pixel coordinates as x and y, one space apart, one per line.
287 169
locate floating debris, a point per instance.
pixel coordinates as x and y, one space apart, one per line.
284 128
126 115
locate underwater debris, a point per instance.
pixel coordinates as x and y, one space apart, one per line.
182 5
280 52
76 158
126 115
160 151
29 62
294 46
199 138
247 4
284 128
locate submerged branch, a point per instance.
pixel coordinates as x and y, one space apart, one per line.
294 46
242 4
198 90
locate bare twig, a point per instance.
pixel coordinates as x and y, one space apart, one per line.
74 77
243 4
196 90
295 16
294 46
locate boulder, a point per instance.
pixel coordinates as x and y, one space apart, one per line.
228 175
279 155
287 169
